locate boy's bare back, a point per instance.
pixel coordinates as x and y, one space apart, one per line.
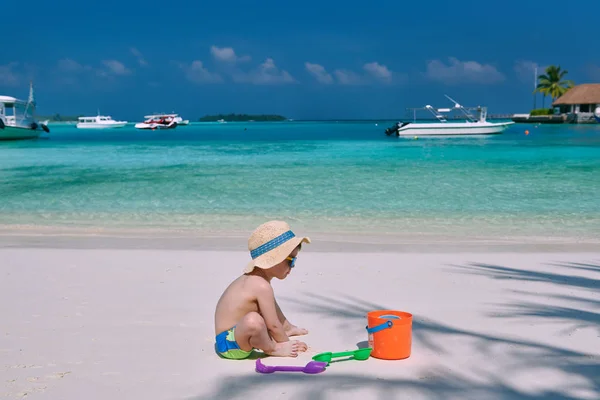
239 299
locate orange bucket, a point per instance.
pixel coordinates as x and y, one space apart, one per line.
390 334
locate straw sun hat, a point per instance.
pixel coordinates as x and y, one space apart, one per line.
271 243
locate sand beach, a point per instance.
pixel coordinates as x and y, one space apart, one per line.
133 323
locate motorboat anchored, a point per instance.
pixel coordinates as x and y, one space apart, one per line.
176 117
597 114
99 122
470 126
159 121
17 118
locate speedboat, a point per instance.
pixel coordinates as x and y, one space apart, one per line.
17 118
470 126
99 122
178 119
159 121
597 114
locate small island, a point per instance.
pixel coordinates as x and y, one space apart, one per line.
242 118
58 118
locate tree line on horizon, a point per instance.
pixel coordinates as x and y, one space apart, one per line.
242 118
207 118
59 118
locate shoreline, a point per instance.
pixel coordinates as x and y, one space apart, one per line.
28 236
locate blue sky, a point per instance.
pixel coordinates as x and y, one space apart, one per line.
304 60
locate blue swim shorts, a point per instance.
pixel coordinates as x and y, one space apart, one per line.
227 347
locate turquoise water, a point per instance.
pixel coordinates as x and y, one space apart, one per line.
326 177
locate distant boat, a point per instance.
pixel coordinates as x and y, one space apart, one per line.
597 114
99 122
17 118
176 117
470 126
158 121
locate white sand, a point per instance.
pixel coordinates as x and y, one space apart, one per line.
138 324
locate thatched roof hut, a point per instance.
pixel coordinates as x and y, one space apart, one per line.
587 93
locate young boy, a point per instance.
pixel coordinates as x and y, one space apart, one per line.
247 315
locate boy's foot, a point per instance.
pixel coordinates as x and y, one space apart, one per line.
288 349
295 331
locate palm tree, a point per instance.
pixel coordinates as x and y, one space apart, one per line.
552 84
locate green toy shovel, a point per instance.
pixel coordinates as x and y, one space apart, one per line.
360 354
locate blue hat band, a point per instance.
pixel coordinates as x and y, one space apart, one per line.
272 244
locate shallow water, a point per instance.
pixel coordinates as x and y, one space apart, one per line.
324 176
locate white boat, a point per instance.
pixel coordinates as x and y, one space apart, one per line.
181 121
470 126
17 118
158 121
178 119
99 122
597 114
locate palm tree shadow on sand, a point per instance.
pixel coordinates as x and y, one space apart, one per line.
525 355
582 312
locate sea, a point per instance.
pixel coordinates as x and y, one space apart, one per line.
537 182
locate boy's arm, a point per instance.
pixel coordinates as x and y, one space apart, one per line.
286 324
269 309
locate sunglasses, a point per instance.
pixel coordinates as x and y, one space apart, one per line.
292 261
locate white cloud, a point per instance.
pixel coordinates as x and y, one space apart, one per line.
227 54
198 73
457 72
525 70
69 65
378 71
139 56
371 73
70 71
346 77
72 67
116 67
8 75
319 72
267 73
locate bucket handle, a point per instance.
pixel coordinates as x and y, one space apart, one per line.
385 325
